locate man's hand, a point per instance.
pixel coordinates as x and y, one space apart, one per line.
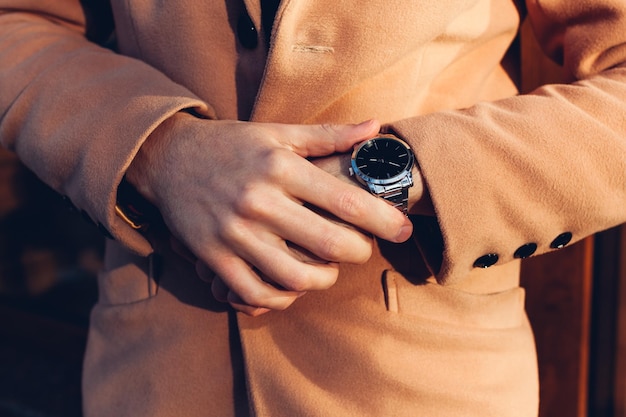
236 195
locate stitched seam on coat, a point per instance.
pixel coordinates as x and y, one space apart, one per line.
317 49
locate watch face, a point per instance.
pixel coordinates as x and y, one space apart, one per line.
381 160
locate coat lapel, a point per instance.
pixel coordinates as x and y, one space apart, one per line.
323 67
298 62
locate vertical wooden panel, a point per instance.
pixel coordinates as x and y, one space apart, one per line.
602 387
620 361
558 288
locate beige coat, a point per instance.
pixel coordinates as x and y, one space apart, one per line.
387 339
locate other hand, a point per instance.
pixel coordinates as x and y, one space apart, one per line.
236 195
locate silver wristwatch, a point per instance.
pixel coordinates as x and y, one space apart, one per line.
383 164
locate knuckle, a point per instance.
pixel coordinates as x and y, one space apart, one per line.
250 202
233 231
331 247
349 205
293 279
301 281
276 163
315 277
329 129
346 246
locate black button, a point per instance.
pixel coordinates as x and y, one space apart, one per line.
486 261
246 32
561 240
525 251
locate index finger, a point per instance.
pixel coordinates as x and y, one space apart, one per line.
351 204
326 139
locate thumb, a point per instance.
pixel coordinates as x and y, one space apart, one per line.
326 139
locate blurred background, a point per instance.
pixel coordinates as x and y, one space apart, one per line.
49 257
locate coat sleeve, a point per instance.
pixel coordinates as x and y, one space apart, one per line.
539 170
76 113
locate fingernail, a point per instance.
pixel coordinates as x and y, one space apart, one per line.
405 233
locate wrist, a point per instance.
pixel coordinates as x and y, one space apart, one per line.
149 162
136 194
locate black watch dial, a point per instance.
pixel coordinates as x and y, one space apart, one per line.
382 158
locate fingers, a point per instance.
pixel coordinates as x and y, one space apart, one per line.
238 277
310 184
238 304
275 218
300 181
204 272
251 290
350 203
241 221
280 264
361 209
302 254
222 293
326 139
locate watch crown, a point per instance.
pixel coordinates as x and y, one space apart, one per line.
351 171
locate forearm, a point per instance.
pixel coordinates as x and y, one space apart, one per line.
525 170
527 174
76 113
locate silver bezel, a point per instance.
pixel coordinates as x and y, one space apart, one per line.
366 179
